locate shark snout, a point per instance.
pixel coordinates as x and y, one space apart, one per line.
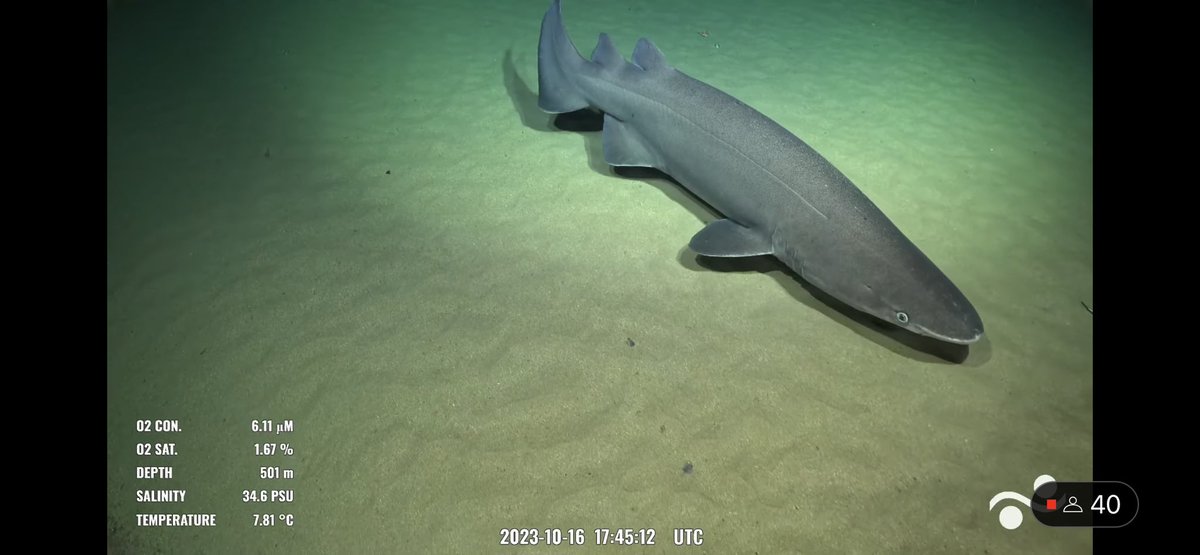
963 328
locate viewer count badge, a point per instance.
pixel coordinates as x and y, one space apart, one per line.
1069 504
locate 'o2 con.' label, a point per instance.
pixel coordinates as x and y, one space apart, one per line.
158 426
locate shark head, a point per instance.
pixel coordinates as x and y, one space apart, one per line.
900 286
933 308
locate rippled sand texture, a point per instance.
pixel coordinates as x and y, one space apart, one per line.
351 215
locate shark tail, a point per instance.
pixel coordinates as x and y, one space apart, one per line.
557 61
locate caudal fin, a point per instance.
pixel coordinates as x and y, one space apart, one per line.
557 59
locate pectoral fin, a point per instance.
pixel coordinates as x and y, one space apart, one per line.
729 239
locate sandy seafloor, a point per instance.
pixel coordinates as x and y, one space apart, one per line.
351 215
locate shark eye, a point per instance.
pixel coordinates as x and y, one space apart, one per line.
902 317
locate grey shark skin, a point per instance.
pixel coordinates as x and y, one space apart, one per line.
778 195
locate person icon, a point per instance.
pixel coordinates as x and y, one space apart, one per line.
1072 505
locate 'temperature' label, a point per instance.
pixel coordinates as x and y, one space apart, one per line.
177 520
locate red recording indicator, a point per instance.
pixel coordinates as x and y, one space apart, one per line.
1051 504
